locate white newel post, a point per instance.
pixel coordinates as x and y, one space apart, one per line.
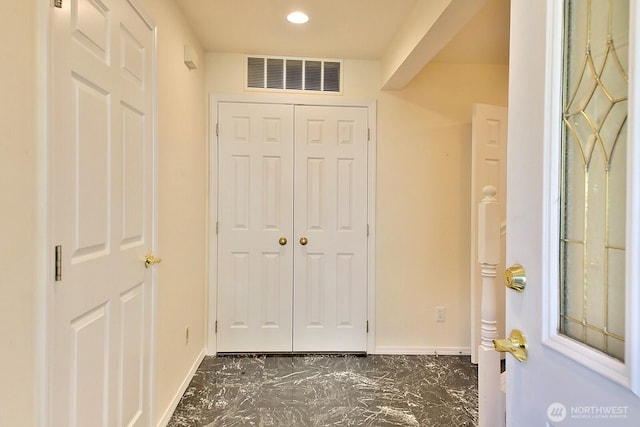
490 399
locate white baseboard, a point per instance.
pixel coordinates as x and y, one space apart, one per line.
441 351
166 417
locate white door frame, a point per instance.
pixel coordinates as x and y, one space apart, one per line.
212 203
46 255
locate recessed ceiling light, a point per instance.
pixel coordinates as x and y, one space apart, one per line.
297 17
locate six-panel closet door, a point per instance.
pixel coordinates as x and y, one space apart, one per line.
255 210
292 255
330 205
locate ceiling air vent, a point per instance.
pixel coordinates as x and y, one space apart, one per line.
294 74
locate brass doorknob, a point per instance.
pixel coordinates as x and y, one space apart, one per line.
516 344
304 241
515 278
150 259
282 241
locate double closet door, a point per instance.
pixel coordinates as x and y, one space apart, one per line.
292 228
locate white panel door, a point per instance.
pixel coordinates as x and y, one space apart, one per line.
255 212
488 167
278 295
102 212
562 382
330 305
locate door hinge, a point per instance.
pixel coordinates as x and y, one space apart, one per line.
368 134
217 227
217 129
57 3
216 328
367 230
58 264
367 326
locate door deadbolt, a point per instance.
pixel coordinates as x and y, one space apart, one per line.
515 278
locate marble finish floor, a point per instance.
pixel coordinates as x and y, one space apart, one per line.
329 390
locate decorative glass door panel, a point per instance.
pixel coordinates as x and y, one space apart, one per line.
593 205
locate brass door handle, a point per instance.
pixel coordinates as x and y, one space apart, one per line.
304 241
282 241
516 344
150 259
515 278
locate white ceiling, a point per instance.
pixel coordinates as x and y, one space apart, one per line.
355 29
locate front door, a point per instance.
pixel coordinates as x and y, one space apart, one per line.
101 150
573 213
292 254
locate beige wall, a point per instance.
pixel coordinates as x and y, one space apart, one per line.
423 192
181 291
424 179
20 266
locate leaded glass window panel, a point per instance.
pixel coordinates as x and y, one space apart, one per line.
593 205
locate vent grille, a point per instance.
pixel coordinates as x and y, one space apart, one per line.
294 74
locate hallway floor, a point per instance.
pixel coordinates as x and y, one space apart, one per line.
323 390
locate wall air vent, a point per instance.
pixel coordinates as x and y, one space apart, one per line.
294 74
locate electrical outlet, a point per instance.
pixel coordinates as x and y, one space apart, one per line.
186 335
440 314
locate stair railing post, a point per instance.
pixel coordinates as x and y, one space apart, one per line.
490 409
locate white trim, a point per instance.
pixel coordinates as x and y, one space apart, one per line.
212 241
626 374
155 219
371 215
551 174
168 413
214 100
434 351
294 100
44 246
590 358
209 268
632 297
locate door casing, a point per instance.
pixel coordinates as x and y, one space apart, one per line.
212 167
